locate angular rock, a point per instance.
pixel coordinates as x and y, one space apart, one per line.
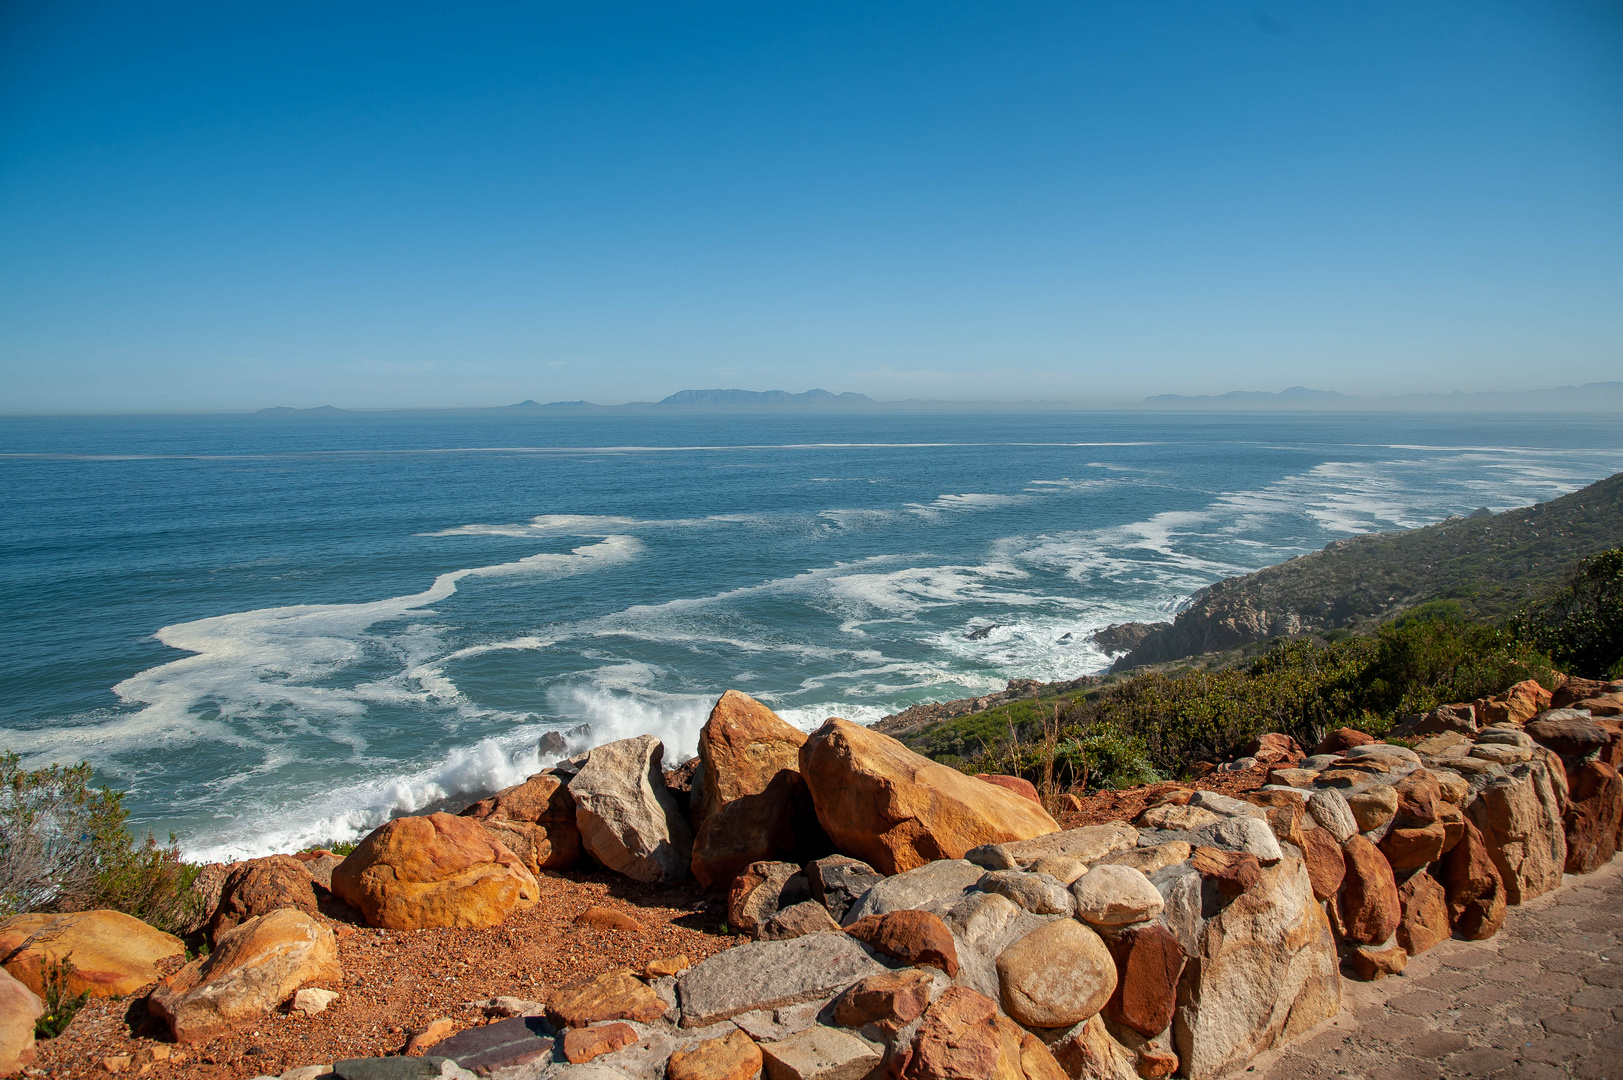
754 806
1568 732
1424 921
838 880
798 920
1266 971
1594 816
1062 868
614 995
1296 778
261 886
1501 755
1326 866
820 1053
733 1056
1021 787
915 938
1039 894
252 969
1458 718
666 966
434 871
432 1067
1474 888
1183 818
763 890
507 1043
896 810
312 1000
535 820
1147 860
1089 1051
603 918
1272 748
1371 963
1374 807
19 1008
1149 961
933 885
113 954
771 975
1519 704
891 1000
1242 834
1342 740
1231 873
583 1044
319 864
1088 844
425 1038
1111 895
1520 819
1058 975
1329 808
957 1038
627 819
1369 905
1409 848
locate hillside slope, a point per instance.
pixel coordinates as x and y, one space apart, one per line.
1491 565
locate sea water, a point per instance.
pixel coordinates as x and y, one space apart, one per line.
273 632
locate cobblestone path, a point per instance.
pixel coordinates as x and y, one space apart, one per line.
1541 1000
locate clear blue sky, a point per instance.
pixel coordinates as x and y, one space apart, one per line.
232 205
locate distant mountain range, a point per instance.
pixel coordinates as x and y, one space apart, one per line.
1590 397
813 398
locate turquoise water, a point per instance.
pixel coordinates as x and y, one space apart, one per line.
275 631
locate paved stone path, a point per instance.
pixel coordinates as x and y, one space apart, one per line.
1541 1000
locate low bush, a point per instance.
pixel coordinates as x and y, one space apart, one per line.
1581 626
60 1006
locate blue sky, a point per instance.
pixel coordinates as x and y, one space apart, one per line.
226 206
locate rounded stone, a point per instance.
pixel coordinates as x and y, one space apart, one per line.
1059 974
1112 895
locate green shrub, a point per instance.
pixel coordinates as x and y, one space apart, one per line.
60 1006
64 847
1581 626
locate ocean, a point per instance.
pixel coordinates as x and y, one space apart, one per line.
279 631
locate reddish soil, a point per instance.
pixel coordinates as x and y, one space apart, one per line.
1125 805
398 981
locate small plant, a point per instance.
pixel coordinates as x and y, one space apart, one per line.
60 1006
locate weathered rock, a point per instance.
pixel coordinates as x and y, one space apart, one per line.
1272 748
434 871
1149 961
754 805
1039 894
627 819
252 969
962 1036
1474 887
429 1035
19 1008
1326 866
1603 705
1296 778
1329 808
431 1067
1594 816
1184 818
933 885
535 820
113 954
520 1040
602 918
820 1053
1242 834
733 1056
1568 732
583 1044
1088 844
761 891
1408 848
261 886
1021 787
1147 860
1062 868
1230 872
1425 913
1342 740
890 1000
915 938
771 975
1458 718
798 920
1369 904
614 995
1519 704
666 966
1088 1050
312 1000
838 880
1501 755
1374 807
1059 974
1112 895
1520 819
1266 971
1370 963
1574 690
896 810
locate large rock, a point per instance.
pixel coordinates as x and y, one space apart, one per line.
1058 975
113 954
1518 705
798 920
733 1056
1329 808
434 871
1090 1052
614 995
889 1000
1474 887
261 886
1425 913
1111 895
1520 819
627 819
1370 908
761 891
1265 971
961 1036
754 805
821 1053
838 880
535 820
253 969
1593 817
19 1008
914 938
771 975
896 810
1149 961
1568 732
1326 866
1087 845
1038 893
934 886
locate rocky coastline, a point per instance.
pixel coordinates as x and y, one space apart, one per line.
835 905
